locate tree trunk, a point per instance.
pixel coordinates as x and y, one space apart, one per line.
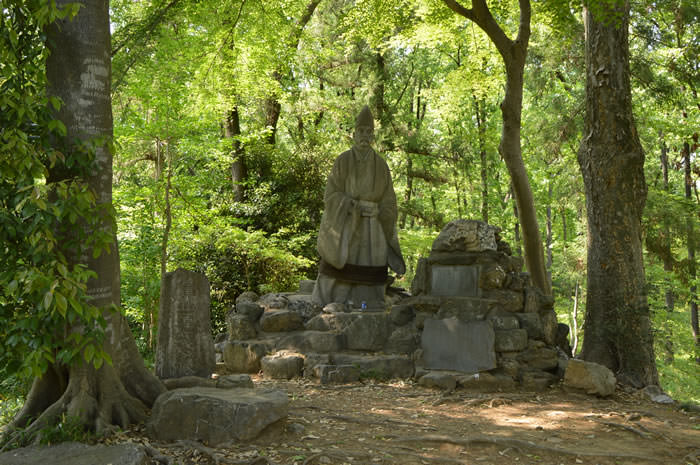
513 53
480 112
690 241
516 228
617 324
667 257
549 237
574 322
408 193
79 72
273 107
239 171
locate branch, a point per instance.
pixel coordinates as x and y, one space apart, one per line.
460 10
151 24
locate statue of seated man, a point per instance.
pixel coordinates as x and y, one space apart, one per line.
357 239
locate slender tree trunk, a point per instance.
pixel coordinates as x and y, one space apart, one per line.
166 229
480 112
79 72
513 53
239 171
690 241
667 257
516 228
618 325
574 322
564 227
548 240
272 105
408 193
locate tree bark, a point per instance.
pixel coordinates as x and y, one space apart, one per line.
480 113
79 72
690 243
239 171
667 257
273 107
617 323
549 234
513 53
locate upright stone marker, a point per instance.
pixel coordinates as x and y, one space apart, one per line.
185 344
450 344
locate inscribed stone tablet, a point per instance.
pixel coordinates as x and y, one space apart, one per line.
452 345
455 280
185 345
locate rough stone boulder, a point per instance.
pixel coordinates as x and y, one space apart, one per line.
466 236
337 374
244 357
75 453
275 321
438 380
240 327
590 377
282 365
312 341
215 416
250 310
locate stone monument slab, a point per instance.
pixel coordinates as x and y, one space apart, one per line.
454 280
450 344
185 344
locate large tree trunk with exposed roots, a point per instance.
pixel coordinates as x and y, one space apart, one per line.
79 72
618 331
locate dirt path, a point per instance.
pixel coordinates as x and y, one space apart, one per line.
401 423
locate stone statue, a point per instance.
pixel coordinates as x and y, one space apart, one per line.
357 239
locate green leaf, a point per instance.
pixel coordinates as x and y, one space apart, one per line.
89 352
61 304
48 298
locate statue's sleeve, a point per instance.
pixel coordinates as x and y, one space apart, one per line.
336 223
388 215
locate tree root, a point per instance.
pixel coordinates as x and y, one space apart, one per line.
96 397
631 429
518 444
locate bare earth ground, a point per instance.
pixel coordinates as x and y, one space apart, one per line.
402 423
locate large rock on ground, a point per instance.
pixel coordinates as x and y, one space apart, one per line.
590 377
75 453
215 416
282 365
337 374
439 380
222 382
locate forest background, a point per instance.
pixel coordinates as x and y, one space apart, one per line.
228 115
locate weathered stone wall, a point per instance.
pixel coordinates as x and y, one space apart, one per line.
472 312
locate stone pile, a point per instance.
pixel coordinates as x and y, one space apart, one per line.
473 319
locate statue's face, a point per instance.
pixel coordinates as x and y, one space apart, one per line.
364 135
